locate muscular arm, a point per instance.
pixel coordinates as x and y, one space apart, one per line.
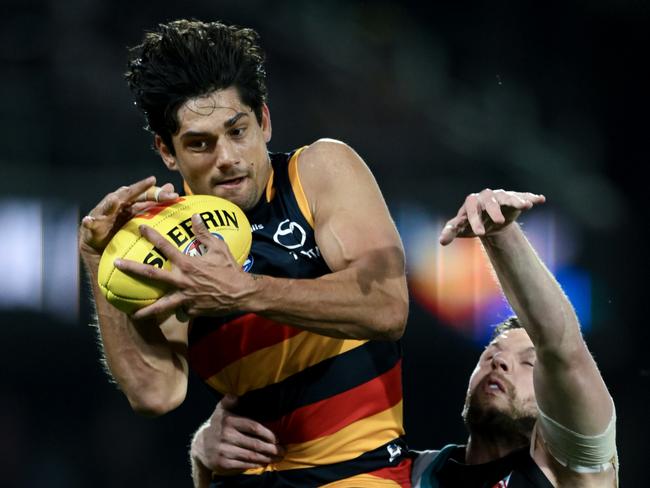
568 385
365 297
146 358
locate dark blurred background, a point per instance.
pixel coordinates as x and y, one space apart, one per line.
441 100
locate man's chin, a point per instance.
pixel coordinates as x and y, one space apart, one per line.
499 422
494 415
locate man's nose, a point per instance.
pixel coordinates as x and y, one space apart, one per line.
226 154
501 362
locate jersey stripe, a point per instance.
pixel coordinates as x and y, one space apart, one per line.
348 443
336 412
277 362
270 189
370 461
244 335
298 190
327 378
395 476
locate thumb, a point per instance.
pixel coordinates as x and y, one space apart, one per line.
229 402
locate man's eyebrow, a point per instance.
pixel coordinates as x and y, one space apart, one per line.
194 133
495 344
527 350
233 120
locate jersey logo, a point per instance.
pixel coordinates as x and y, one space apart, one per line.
393 450
290 235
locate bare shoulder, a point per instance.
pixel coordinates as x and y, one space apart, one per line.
329 156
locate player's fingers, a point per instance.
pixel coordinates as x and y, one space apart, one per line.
474 212
534 198
164 305
205 237
252 444
108 206
244 454
132 192
511 199
451 230
166 247
89 222
141 207
253 430
146 271
168 187
236 460
493 208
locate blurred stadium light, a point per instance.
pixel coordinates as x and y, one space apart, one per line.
457 285
38 257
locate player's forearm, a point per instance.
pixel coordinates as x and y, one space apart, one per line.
139 357
533 293
347 304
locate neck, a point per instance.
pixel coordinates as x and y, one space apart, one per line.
483 449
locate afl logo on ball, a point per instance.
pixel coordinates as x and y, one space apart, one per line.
248 264
195 248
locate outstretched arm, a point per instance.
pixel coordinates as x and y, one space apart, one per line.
568 386
365 296
145 357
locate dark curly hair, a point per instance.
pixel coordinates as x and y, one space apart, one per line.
185 59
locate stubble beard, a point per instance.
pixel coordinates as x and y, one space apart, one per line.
513 422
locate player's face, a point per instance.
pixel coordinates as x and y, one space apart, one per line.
502 382
221 148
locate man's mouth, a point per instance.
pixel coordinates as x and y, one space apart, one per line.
230 182
495 385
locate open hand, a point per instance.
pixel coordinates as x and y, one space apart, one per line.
115 209
487 212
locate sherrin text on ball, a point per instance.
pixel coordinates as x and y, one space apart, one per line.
172 220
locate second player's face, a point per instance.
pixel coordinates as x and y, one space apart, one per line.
221 148
503 378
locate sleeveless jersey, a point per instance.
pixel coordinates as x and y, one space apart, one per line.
447 469
334 404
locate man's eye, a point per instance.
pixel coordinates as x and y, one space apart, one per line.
529 363
238 131
198 145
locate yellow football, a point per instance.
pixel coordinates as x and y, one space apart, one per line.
173 220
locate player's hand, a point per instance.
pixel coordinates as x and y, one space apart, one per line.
230 443
115 209
487 213
210 284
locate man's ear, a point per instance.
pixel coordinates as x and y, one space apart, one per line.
266 123
166 155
